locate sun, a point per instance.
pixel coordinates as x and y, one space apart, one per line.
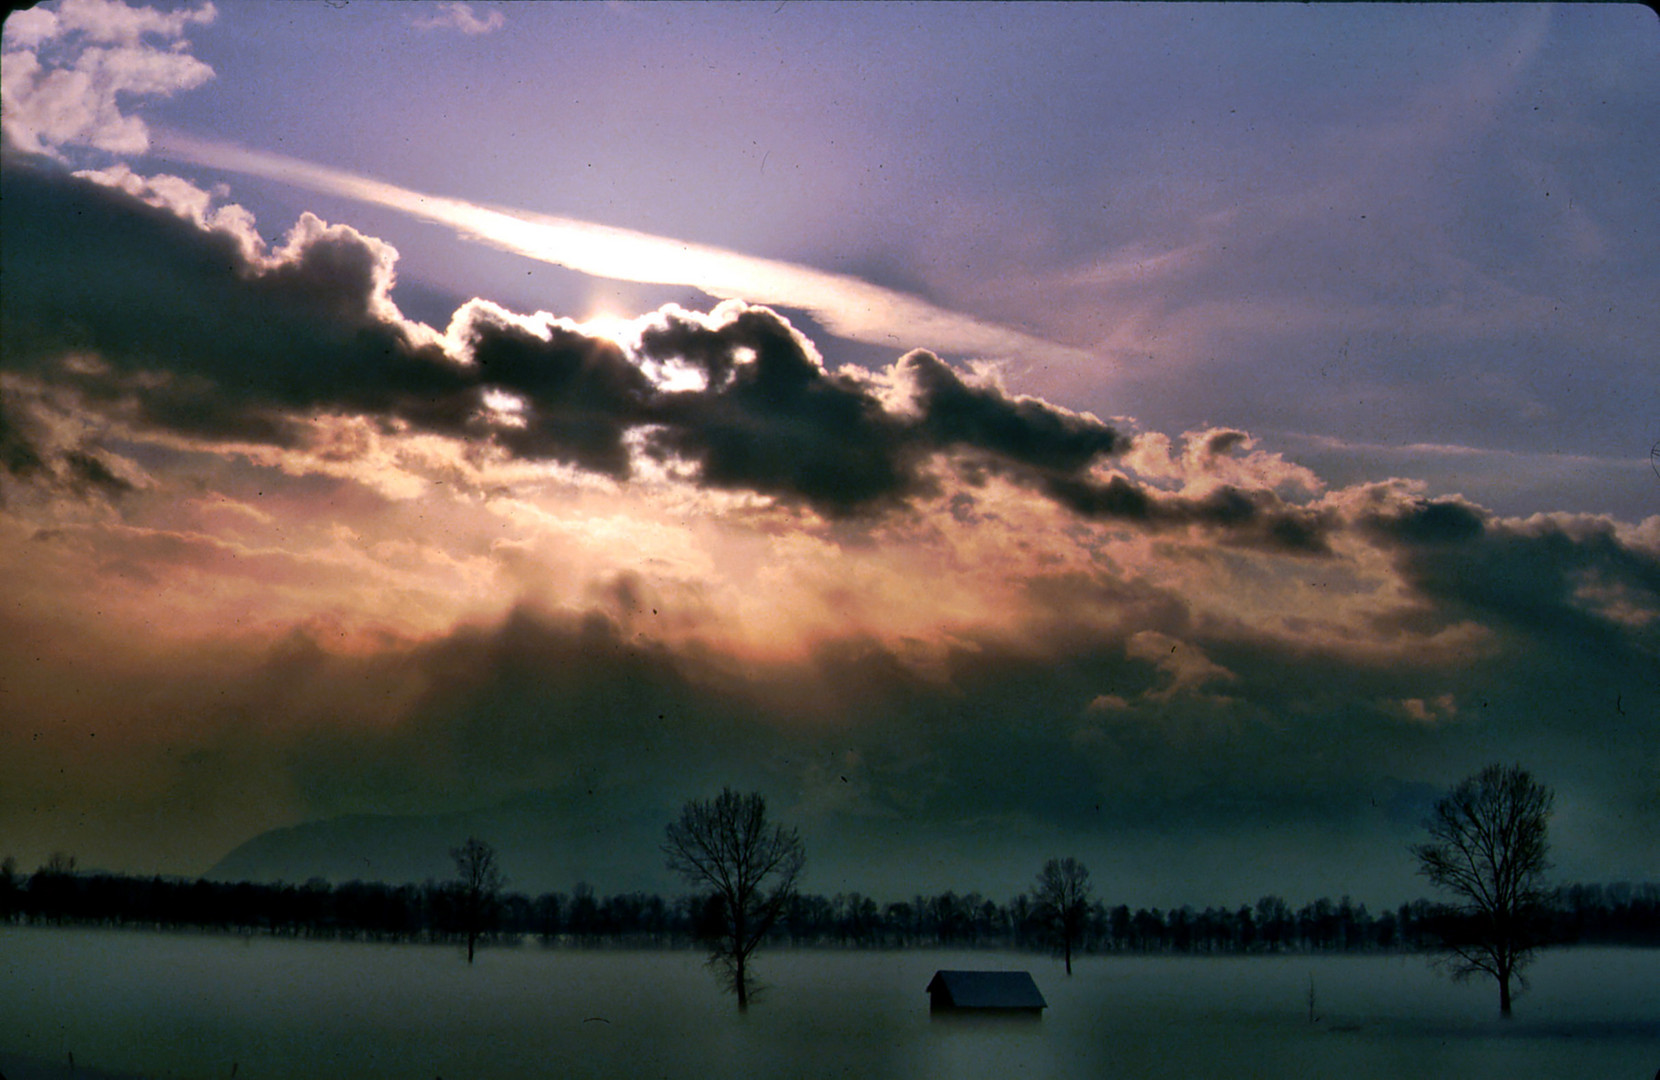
604 320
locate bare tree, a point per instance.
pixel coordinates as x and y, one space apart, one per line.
1063 901
478 885
725 844
1487 847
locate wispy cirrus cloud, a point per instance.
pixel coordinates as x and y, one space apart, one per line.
1454 450
847 306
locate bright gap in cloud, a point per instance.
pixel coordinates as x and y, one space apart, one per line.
505 409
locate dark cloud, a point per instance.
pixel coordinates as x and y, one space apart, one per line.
1570 581
1224 441
171 326
550 701
1427 522
582 393
177 328
78 468
89 471
18 455
1021 430
1244 518
189 337
778 423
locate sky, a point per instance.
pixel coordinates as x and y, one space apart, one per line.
1189 438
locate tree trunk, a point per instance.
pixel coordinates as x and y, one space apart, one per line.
1069 955
1504 993
741 983
472 939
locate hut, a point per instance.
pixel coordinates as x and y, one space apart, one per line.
994 993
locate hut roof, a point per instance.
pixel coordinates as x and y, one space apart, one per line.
987 989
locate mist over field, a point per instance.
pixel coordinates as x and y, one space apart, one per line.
188 1007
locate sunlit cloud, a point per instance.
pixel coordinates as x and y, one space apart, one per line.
1186 668
67 70
1437 710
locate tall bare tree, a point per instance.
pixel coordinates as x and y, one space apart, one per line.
752 867
1487 847
1063 901
479 882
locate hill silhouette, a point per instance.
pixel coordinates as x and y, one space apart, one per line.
547 841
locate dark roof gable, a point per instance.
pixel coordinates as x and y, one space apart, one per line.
987 990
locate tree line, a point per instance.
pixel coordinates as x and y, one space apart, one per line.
58 894
1487 850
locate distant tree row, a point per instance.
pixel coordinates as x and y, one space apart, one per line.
1487 850
1625 914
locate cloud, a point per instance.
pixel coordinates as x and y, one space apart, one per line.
577 394
1187 668
1243 517
1440 709
772 419
186 200
847 306
66 68
1225 454
288 347
257 342
1024 430
460 16
661 554
300 348
1563 578
101 22
592 703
